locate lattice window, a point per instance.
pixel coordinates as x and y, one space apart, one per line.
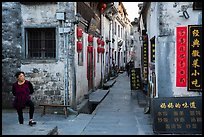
40 43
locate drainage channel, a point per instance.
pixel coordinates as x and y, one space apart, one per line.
92 107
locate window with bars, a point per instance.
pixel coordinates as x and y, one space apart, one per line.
40 43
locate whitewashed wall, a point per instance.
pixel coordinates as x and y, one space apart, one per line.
47 76
165 64
106 35
81 71
97 78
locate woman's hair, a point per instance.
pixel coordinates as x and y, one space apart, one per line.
18 73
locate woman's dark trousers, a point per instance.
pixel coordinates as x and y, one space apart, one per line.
30 104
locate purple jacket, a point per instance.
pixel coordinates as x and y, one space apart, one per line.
22 94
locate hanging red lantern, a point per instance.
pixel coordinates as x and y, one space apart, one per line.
79 46
90 38
104 5
102 50
90 49
79 32
98 49
98 41
102 9
102 43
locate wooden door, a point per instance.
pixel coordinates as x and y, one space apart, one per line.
90 72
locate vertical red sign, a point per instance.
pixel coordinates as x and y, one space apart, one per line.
181 56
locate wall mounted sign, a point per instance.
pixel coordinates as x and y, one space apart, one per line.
145 57
135 79
181 56
152 48
195 58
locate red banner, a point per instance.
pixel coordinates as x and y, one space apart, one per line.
181 56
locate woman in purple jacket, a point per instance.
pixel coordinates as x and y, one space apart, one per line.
22 89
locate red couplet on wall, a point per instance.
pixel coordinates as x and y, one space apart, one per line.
181 56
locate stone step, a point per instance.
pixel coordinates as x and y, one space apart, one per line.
97 96
109 84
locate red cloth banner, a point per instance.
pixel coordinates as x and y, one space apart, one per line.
181 56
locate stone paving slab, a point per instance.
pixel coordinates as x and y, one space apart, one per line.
109 83
98 95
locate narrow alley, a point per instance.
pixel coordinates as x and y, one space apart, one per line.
119 113
110 68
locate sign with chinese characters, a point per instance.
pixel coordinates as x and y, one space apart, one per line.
135 80
152 48
145 57
195 58
181 56
177 115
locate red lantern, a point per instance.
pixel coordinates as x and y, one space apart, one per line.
90 38
98 49
102 9
102 50
102 43
79 46
98 41
90 49
79 32
104 5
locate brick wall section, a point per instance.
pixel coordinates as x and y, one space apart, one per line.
11 47
46 76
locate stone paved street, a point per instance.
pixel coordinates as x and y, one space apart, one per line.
119 113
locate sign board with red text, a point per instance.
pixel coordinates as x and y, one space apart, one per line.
181 56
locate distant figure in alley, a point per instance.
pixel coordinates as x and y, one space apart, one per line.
129 66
